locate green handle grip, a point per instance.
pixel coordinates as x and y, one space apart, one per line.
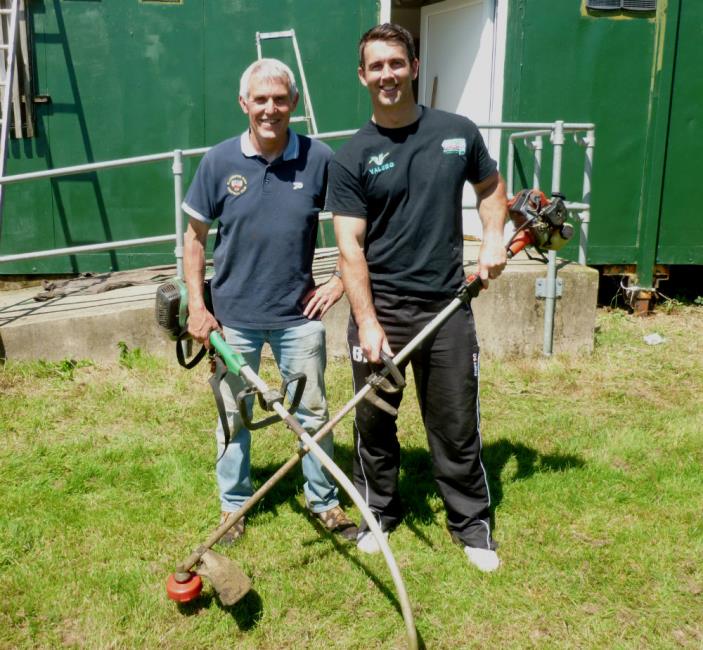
233 359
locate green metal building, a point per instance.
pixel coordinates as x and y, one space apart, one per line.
121 78
118 78
636 75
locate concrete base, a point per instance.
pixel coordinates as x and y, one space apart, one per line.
88 325
510 318
80 326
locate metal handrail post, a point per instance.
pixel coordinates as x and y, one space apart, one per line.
585 215
6 98
177 169
550 301
537 172
511 164
551 288
536 146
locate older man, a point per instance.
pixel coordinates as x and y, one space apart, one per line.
265 188
396 189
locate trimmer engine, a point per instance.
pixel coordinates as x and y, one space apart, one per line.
172 307
544 219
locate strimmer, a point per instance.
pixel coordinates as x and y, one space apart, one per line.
539 222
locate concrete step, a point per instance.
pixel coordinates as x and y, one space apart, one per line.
94 315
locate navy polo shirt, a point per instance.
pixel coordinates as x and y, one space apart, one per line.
267 225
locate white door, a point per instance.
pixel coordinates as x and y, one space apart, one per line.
461 69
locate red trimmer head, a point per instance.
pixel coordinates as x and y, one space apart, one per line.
229 582
187 589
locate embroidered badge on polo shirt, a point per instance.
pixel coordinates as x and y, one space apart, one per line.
237 184
454 145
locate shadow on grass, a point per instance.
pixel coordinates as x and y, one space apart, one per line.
291 484
344 547
416 481
418 488
496 456
246 613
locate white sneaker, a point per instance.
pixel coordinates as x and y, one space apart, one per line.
482 558
367 543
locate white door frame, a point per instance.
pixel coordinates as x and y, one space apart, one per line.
384 12
498 15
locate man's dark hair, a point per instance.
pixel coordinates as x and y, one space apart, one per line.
388 32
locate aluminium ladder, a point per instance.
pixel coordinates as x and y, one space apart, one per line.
309 117
9 11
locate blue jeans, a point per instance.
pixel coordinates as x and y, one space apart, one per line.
296 349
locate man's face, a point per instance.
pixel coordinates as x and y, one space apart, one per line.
388 74
269 108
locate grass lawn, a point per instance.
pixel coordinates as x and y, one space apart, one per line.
596 471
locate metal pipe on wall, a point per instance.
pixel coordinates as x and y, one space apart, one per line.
585 215
522 135
551 288
87 248
511 164
177 169
536 145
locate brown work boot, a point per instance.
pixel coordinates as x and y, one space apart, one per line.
336 521
234 533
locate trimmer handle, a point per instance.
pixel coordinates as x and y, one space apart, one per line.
472 286
235 362
269 398
233 359
380 380
521 240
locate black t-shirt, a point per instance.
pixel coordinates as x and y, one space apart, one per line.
407 183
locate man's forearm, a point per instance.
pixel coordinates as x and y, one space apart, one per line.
355 276
200 321
194 269
350 233
493 211
492 208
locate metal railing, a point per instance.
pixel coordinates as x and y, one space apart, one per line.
534 142
556 133
176 157
532 131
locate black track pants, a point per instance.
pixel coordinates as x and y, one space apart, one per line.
446 371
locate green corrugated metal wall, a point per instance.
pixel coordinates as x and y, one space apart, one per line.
680 237
128 78
637 77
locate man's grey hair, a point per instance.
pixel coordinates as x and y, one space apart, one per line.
268 70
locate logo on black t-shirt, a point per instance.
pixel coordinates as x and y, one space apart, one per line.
237 184
379 163
454 145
